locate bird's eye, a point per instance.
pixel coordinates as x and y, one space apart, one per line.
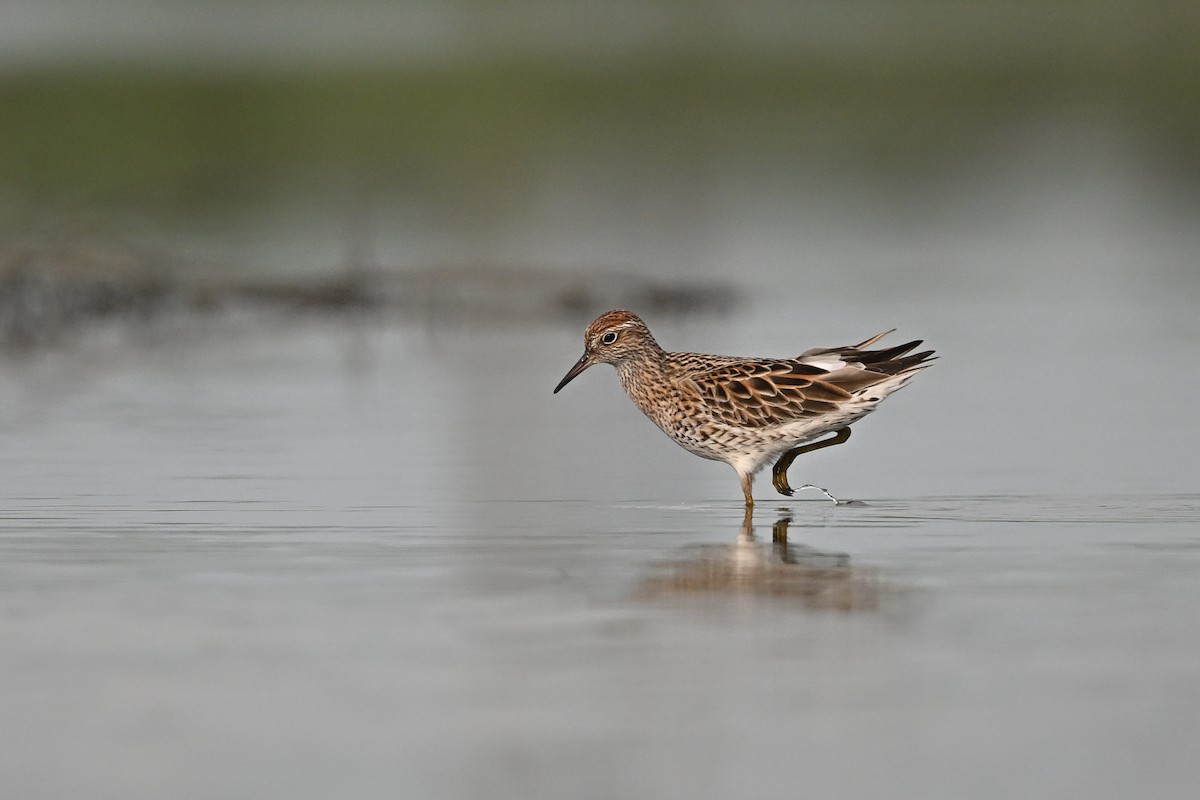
609 337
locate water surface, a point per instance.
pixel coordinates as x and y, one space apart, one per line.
313 558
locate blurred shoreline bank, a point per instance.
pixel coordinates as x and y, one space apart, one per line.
58 285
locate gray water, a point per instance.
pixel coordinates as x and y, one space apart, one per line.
313 557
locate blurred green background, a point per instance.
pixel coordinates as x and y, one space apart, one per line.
182 123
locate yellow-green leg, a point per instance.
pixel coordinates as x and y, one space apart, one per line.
779 471
747 483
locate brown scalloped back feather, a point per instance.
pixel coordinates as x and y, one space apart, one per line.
759 392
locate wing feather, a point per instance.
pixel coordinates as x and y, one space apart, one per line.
760 392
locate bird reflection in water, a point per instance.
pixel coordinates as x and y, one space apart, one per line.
776 569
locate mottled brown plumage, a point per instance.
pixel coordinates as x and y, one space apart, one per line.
748 412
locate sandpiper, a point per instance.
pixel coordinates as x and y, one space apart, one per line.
748 412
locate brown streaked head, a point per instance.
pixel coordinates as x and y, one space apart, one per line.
611 338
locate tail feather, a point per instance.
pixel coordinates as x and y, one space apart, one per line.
855 369
892 354
888 361
872 340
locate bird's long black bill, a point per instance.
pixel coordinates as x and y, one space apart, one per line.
579 367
